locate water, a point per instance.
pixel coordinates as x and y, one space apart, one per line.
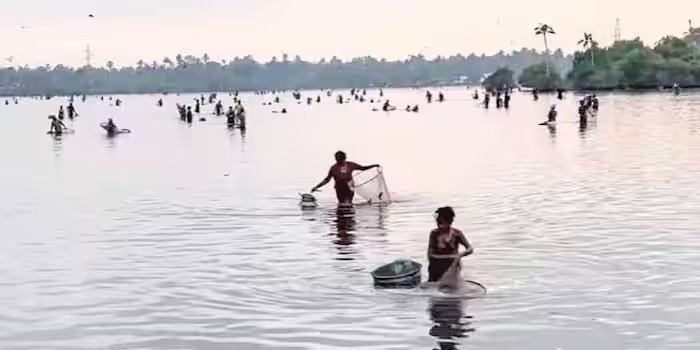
177 237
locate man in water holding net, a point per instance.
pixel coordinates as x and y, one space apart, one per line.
341 172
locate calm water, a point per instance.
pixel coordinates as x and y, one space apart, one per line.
177 237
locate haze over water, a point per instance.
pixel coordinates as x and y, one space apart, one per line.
177 237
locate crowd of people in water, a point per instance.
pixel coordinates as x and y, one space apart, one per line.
235 115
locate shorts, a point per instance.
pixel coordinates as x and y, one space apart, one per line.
344 194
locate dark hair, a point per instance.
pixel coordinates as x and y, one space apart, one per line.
340 156
445 215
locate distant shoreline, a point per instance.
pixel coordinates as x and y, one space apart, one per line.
524 89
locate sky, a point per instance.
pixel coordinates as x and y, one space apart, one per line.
38 32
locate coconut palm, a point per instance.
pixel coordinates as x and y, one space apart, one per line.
544 29
588 43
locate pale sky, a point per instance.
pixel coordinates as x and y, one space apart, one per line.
37 32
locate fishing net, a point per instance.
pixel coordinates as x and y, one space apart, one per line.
371 186
452 279
452 282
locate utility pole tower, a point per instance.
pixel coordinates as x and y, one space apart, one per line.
88 56
618 35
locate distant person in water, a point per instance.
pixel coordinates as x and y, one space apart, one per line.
182 110
487 100
110 127
56 126
560 94
428 96
219 109
443 245
160 103
552 115
341 172
499 100
118 103
583 111
441 97
197 107
277 99
230 117
594 103
61 113
387 106
188 115
240 115
84 98
381 93
415 109
71 111
506 101
676 89
318 99
476 95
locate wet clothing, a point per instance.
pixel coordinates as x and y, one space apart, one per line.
344 193
342 174
441 243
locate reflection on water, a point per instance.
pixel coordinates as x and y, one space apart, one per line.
450 323
344 220
57 144
552 131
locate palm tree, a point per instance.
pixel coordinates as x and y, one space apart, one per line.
588 43
168 62
544 29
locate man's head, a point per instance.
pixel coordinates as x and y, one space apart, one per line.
340 156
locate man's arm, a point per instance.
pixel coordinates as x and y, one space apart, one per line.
363 168
323 183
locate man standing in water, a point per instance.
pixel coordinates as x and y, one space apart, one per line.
341 172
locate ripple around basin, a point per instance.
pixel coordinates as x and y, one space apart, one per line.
191 238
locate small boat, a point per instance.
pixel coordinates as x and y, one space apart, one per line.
399 273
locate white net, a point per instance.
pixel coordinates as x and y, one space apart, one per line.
371 186
452 279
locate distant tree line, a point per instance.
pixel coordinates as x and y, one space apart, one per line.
186 73
626 64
